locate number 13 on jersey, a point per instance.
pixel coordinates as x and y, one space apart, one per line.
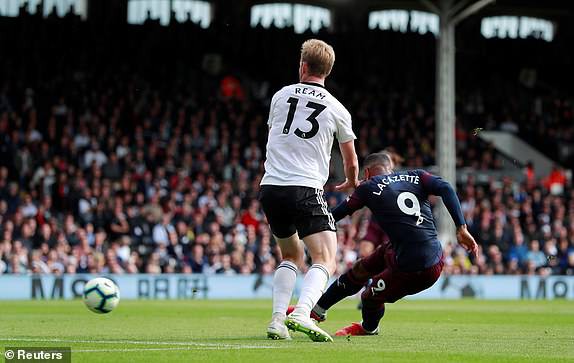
318 108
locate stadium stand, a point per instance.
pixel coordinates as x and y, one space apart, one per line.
145 156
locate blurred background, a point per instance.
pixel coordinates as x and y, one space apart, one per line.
132 132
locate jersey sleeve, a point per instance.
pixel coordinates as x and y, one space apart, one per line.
272 106
436 185
353 203
344 126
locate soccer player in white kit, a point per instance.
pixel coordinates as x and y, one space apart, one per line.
304 120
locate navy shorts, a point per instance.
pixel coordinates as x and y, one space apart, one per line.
389 283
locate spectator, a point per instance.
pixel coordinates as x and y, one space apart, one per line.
252 216
198 260
94 156
556 181
162 230
535 255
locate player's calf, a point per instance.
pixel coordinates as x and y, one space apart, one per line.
372 312
346 285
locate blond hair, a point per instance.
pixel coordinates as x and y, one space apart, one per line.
319 57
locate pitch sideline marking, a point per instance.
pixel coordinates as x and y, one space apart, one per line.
142 342
123 350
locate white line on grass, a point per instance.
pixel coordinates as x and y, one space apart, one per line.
123 350
141 342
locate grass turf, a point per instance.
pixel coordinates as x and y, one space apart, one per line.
227 331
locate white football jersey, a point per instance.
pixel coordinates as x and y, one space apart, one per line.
304 118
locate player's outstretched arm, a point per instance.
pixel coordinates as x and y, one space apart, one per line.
437 186
347 207
466 240
351 164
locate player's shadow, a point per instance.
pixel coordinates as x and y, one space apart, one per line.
254 338
236 339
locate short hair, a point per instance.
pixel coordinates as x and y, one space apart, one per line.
319 57
378 159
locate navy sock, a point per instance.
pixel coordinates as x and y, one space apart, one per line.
345 286
372 313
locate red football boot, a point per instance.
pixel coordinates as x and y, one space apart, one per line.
314 316
354 329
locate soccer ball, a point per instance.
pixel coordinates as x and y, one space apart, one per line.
101 295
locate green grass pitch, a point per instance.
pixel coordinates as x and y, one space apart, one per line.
234 331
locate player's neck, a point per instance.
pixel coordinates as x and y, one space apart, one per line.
380 171
313 79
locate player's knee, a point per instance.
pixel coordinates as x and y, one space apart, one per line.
294 254
366 295
359 271
366 248
373 298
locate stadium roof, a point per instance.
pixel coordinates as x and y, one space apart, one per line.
547 8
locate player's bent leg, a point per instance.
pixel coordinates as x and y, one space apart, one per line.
392 285
376 262
367 246
347 284
388 286
283 285
372 312
286 273
322 247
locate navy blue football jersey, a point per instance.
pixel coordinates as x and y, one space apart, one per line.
399 203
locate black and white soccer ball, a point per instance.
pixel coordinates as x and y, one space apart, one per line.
101 295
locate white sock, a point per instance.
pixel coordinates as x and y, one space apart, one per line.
313 287
283 285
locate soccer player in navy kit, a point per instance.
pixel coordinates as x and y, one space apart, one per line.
413 261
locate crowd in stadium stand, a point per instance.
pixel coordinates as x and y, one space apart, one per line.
177 193
103 170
